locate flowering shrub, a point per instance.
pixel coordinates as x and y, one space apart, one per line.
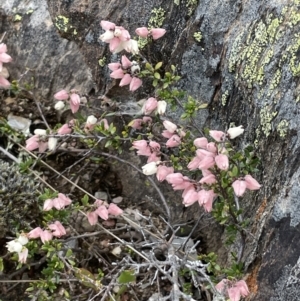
207 169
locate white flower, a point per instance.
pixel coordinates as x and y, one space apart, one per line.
161 107
59 105
135 68
131 46
107 36
40 132
91 120
14 246
234 132
52 142
17 244
150 168
170 126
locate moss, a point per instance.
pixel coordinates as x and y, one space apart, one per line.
197 36
157 17
282 128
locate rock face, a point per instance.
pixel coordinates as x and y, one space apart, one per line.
246 66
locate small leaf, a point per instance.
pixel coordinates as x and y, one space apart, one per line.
126 276
165 85
157 75
158 65
203 106
154 83
173 68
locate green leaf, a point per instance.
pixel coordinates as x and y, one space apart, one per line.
1 265
173 68
126 276
235 171
154 83
203 106
165 85
108 143
157 75
158 65
149 67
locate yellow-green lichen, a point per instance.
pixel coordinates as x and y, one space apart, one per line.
224 98
102 61
191 6
157 17
30 11
17 18
63 24
292 50
266 117
198 36
282 128
142 42
275 81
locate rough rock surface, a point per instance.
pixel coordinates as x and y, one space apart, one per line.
246 67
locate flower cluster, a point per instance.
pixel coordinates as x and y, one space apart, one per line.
57 230
60 202
17 245
126 72
211 158
102 210
72 96
4 58
155 33
118 38
234 290
153 105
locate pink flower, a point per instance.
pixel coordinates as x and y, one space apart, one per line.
4 83
117 74
174 141
194 164
61 95
222 162
221 286
65 129
46 235
217 135
114 66
242 286
234 294
74 102
157 33
206 196
211 147
163 171
104 123
113 209
204 153
61 201
130 46
178 181
166 134
48 205
106 25
154 157
35 233
170 126
3 48
135 84
251 183
154 146
201 142
206 163
102 212
57 228
92 217
147 119
23 255
149 106
209 179
5 58
239 187
32 143
136 124
190 196
126 63
142 147
126 80
142 32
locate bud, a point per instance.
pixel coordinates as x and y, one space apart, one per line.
52 142
91 120
59 105
161 107
40 132
150 168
